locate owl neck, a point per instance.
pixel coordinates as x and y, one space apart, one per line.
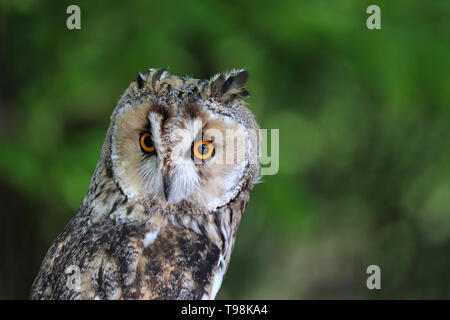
219 226
105 199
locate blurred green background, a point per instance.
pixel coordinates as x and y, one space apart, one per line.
364 132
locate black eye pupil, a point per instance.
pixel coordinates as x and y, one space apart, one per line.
148 141
203 149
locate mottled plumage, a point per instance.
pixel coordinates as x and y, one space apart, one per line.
157 224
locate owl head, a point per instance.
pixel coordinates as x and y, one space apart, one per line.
179 142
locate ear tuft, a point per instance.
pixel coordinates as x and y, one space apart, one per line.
150 77
217 84
142 78
228 87
157 76
235 81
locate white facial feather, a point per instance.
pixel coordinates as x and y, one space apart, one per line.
151 176
169 174
185 181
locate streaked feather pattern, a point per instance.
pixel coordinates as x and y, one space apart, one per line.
129 240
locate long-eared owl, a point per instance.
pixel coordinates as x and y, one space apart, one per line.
172 181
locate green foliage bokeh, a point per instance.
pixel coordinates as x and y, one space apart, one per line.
364 132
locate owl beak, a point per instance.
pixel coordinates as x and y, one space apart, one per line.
166 185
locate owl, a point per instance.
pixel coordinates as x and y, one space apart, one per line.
174 176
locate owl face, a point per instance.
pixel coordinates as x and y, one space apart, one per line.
174 147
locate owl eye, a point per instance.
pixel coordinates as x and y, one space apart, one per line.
203 150
146 141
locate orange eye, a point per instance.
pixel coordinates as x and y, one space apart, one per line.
146 141
203 150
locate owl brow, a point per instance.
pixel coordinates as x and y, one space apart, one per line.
147 125
160 109
192 110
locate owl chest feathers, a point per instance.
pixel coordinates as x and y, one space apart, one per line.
122 251
160 217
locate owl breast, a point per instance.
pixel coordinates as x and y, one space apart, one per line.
159 220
